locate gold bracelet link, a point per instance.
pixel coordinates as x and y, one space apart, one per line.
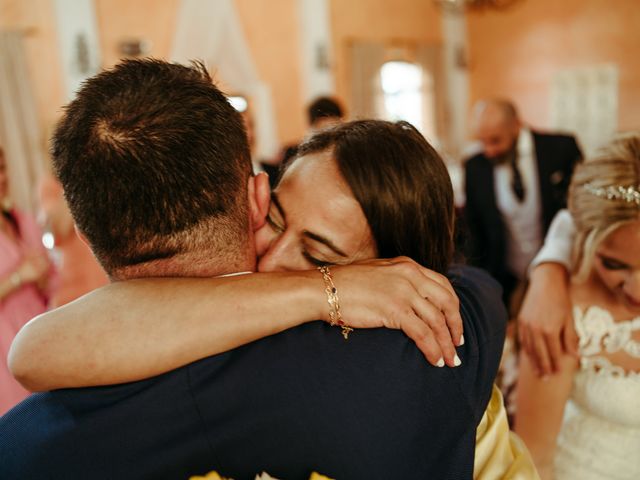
335 316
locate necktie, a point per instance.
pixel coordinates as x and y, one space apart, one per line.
516 178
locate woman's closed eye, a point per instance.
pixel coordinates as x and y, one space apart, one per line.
275 222
612 264
313 260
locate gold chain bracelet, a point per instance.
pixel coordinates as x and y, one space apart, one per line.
335 317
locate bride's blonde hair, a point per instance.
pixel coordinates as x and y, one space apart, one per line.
597 202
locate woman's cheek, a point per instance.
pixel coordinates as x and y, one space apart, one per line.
611 279
263 238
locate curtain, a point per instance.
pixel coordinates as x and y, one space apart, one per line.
19 130
429 57
211 31
366 89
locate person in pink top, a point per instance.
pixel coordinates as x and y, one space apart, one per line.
25 271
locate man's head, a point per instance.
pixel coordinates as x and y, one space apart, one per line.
155 166
324 112
497 126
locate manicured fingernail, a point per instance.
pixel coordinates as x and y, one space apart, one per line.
461 340
456 361
440 363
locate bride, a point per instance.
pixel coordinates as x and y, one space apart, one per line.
584 422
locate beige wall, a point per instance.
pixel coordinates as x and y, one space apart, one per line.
34 19
515 53
151 20
412 21
272 31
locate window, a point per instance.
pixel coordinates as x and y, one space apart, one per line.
238 102
402 87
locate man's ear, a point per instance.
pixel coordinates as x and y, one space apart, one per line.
259 193
81 236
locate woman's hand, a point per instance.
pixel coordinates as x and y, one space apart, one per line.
545 322
34 268
400 294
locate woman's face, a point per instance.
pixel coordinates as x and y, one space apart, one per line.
313 220
617 264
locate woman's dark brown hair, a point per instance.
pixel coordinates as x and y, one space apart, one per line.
401 183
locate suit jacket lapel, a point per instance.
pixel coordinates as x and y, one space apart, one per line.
487 183
544 174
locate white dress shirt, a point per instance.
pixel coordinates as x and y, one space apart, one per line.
523 220
558 242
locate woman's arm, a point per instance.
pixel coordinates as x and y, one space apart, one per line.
545 323
136 329
540 407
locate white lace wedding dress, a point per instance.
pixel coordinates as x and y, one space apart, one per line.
600 434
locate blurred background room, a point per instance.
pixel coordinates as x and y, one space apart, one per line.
565 66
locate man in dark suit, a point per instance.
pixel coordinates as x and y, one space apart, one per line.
150 134
322 113
514 187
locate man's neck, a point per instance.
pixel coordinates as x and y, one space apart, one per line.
186 266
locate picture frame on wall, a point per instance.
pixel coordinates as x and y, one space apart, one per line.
78 40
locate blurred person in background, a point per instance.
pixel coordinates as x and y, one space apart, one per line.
514 187
323 112
25 271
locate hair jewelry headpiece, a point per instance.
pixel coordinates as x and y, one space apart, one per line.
615 192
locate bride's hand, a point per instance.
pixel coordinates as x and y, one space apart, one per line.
400 294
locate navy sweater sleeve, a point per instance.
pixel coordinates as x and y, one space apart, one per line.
485 320
306 399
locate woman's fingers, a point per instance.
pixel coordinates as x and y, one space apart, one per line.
433 317
525 340
449 304
401 294
541 354
420 332
438 290
431 274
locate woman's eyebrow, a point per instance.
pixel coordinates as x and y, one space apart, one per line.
325 241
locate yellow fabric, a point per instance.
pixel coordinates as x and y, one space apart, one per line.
317 476
209 476
263 476
500 453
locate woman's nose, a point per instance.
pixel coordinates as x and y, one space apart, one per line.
631 286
